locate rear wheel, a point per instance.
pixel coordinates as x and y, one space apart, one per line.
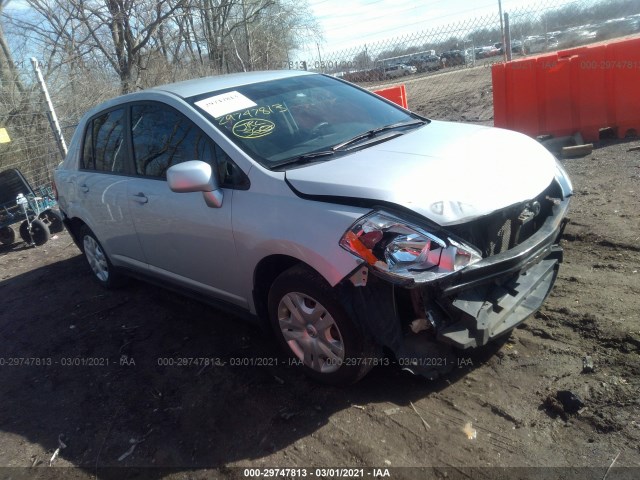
103 271
314 329
38 233
7 235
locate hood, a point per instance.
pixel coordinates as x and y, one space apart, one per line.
447 172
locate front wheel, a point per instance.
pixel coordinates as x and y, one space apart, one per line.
103 271
312 327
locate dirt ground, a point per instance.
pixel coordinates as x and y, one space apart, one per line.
87 369
462 93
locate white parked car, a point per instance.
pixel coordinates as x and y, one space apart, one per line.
399 70
539 44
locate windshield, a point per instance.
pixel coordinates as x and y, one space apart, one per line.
289 118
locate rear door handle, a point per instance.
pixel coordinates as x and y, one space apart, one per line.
84 188
140 198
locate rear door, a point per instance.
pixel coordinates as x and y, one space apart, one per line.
184 241
99 187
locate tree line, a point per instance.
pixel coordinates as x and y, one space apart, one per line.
135 40
92 50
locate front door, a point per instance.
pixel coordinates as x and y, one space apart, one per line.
183 240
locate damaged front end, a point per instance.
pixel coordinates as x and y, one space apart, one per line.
463 287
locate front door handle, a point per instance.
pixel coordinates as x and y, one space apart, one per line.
140 198
84 188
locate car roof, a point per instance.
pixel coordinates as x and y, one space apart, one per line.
190 88
198 86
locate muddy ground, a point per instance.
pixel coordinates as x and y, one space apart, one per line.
87 368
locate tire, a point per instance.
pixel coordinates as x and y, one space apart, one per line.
24 232
39 234
103 272
7 235
313 328
53 219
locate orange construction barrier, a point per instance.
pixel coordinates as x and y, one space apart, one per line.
583 89
395 94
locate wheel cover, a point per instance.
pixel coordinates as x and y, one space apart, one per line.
311 332
96 258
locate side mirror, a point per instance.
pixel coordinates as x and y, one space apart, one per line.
196 176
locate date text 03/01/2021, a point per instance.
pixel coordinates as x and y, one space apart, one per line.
316 472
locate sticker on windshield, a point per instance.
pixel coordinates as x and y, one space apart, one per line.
253 128
222 104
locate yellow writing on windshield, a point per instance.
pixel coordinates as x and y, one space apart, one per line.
253 128
251 113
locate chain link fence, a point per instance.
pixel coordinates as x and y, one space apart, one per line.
29 142
31 145
446 70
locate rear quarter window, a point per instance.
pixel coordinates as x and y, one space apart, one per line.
104 148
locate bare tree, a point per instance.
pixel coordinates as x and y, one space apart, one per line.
362 60
140 39
8 71
227 26
277 29
122 28
117 30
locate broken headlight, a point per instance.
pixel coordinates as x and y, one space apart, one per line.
405 252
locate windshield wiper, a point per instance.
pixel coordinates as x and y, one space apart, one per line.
308 157
302 159
375 131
